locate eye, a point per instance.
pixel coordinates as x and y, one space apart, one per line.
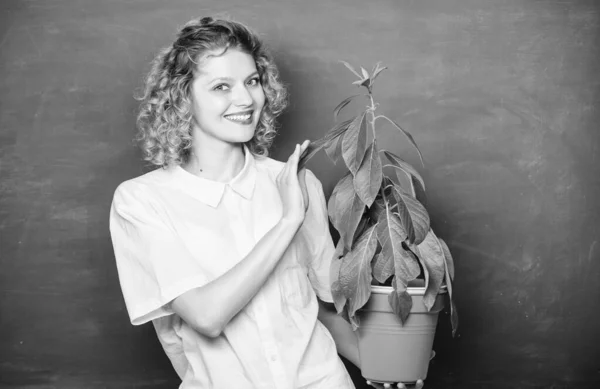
221 87
254 81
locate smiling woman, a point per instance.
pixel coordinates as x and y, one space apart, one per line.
223 249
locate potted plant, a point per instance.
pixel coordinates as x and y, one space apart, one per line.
390 272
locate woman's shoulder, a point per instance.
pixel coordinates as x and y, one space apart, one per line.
139 187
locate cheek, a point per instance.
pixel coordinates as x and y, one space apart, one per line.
260 97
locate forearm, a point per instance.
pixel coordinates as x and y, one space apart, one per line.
341 331
209 308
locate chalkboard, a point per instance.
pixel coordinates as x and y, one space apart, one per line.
502 97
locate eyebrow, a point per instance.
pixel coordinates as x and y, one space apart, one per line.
231 79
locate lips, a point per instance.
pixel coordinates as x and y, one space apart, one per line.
243 117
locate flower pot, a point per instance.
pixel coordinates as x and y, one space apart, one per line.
390 351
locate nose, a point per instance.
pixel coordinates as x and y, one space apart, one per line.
241 97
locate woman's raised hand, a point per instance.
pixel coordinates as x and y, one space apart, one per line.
292 187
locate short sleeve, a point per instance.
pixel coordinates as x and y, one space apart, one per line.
316 225
154 266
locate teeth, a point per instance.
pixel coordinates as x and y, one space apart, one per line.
240 118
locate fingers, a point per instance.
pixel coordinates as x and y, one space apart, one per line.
304 146
290 158
292 162
399 385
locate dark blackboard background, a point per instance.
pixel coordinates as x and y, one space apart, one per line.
503 97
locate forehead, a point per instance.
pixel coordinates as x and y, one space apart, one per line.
232 63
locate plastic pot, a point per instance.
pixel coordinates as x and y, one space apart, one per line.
390 351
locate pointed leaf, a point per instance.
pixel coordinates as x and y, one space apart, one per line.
375 67
432 255
400 301
405 217
406 266
376 73
365 74
407 168
354 143
413 216
355 271
334 133
354 320
383 268
346 64
367 180
341 105
447 258
407 134
415 250
391 235
345 209
453 311
334 149
419 191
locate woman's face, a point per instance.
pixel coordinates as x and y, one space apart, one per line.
227 97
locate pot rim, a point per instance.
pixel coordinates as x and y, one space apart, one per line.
412 290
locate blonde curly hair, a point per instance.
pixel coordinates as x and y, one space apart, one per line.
165 121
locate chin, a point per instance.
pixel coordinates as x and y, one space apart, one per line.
242 137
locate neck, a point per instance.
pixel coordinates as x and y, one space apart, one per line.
219 163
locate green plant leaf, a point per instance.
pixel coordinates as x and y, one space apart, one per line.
419 191
345 209
339 300
376 72
362 226
407 134
400 301
355 271
365 74
453 311
375 67
376 208
332 136
366 82
412 214
404 215
346 64
407 168
447 258
367 180
391 235
334 149
341 105
383 268
354 143
430 252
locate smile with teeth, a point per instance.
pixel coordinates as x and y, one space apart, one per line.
244 117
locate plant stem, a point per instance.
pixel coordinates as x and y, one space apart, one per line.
372 116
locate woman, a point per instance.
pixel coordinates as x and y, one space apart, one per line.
224 249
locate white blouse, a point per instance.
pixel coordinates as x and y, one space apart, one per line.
173 231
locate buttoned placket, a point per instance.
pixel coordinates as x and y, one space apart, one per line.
245 241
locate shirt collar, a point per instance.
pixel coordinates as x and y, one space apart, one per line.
211 192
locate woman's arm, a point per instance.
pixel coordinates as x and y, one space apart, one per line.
209 308
341 331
